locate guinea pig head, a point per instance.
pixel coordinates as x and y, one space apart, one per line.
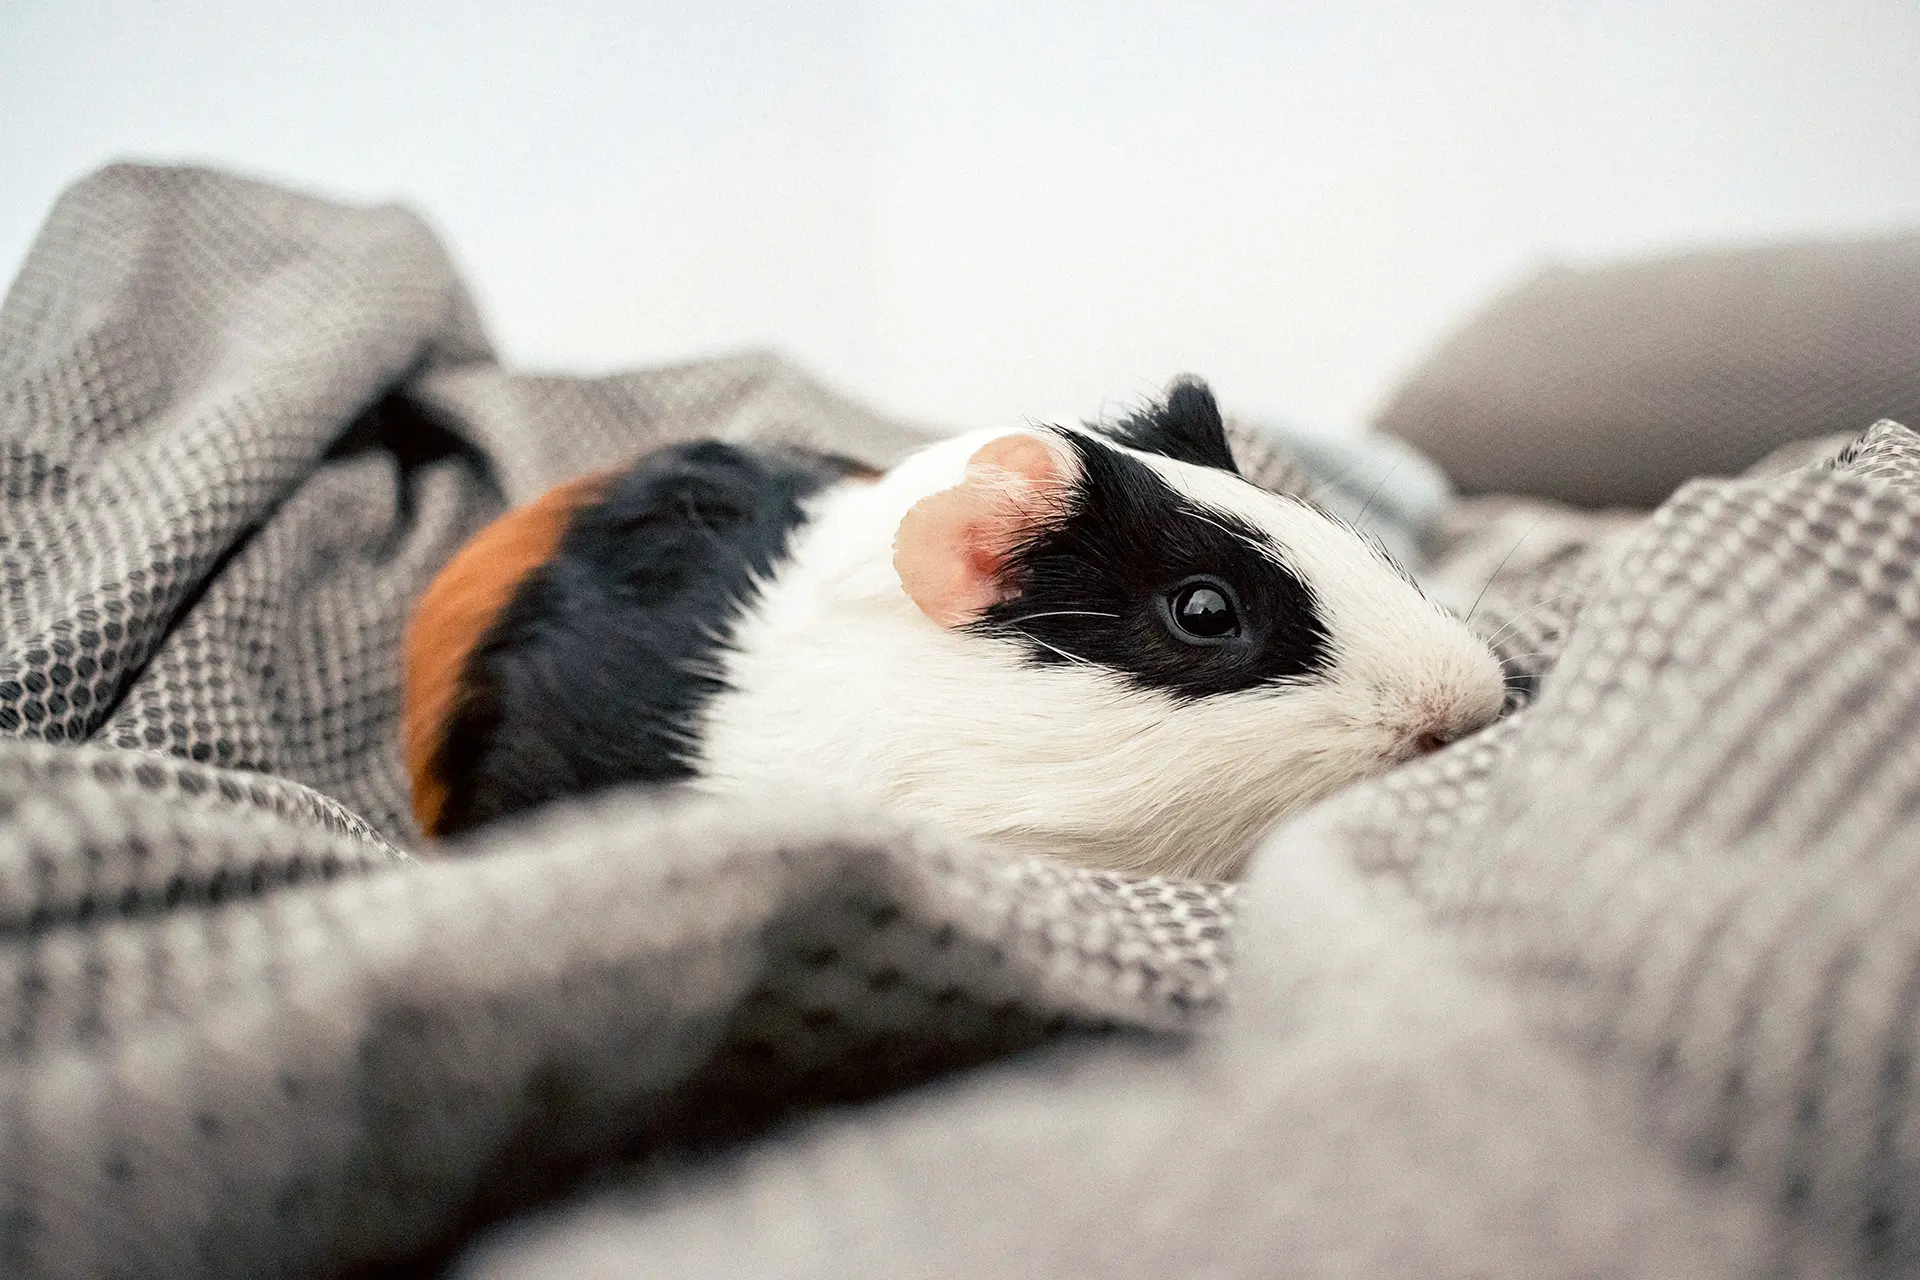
1101 644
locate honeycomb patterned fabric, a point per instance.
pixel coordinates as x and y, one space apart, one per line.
1623 987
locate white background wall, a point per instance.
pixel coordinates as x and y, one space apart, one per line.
981 212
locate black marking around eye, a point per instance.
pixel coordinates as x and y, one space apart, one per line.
1186 427
1090 587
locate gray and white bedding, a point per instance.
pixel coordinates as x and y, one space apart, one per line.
1627 986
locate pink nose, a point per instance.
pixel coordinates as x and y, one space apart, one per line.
1440 724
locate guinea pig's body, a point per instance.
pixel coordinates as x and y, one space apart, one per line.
1099 644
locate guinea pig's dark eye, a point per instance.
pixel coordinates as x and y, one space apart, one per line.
1202 611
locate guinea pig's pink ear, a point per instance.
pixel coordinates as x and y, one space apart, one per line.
952 547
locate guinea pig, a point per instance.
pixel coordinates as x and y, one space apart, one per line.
1100 643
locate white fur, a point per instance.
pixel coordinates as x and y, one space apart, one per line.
836 678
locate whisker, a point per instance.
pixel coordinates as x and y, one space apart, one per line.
1510 624
1503 564
1202 516
1059 613
1522 657
1362 518
1515 619
1055 649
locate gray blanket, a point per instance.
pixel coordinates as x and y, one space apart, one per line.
1627 986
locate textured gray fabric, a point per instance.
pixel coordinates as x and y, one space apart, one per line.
1611 386
1623 987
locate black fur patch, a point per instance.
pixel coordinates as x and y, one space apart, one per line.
1093 588
1185 427
593 671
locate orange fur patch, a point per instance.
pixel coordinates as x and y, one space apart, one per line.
456 610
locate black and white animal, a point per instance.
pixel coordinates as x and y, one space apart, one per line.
1100 643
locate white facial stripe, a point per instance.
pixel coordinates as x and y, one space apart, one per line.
1308 541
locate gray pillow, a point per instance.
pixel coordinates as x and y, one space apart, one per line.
1611 386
